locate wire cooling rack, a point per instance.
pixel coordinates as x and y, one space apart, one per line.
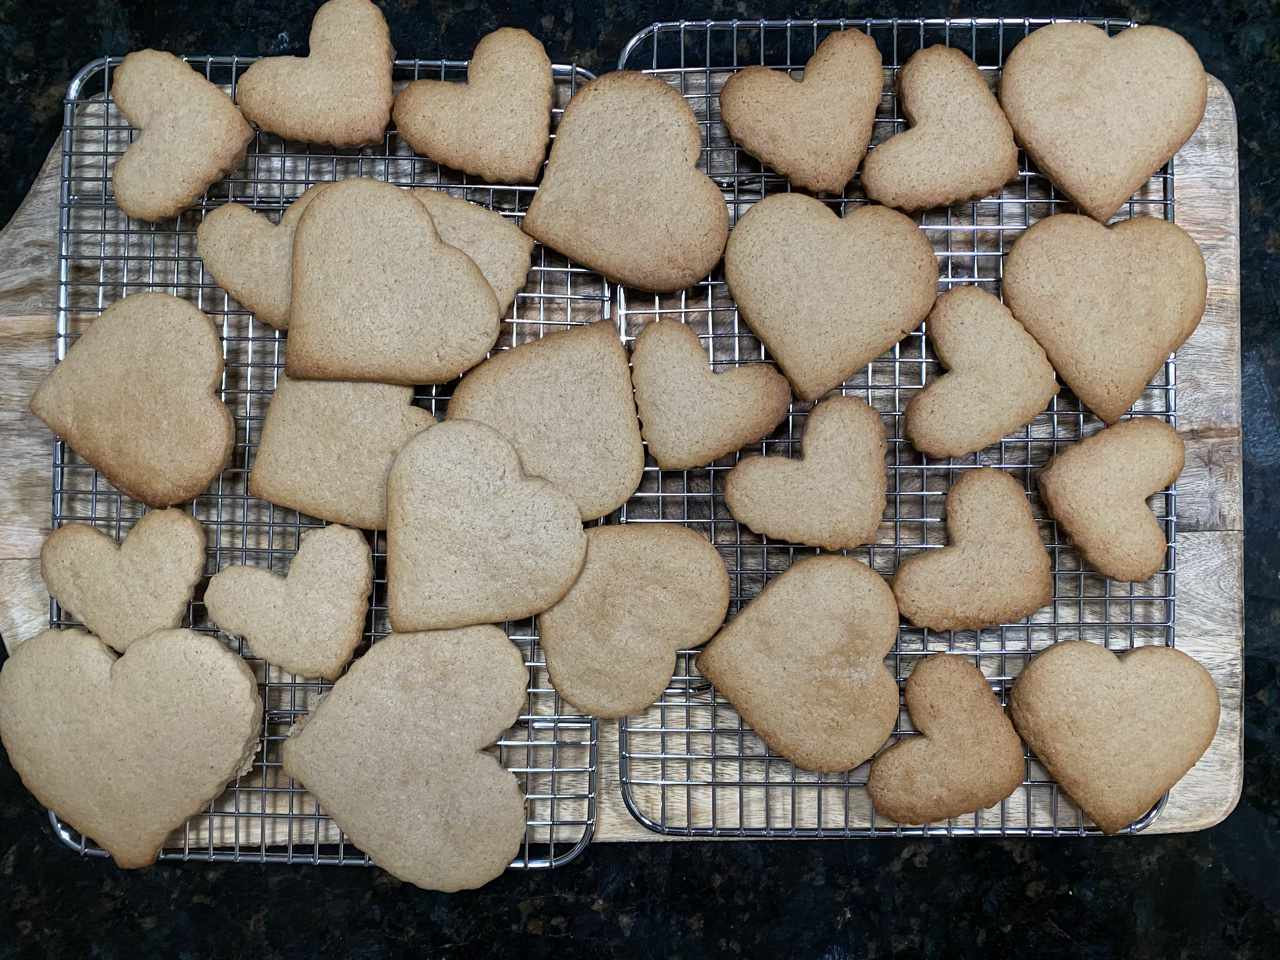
104 256
689 765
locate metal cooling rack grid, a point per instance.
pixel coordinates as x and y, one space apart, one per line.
104 256
688 765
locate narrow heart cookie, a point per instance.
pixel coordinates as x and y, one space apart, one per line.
832 496
999 377
804 663
827 295
136 396
127 749
960 146
340 93
996 569
814 132
395 754
1115 732
969 758
1100 115
621 193
123 591
1108 304
1097 490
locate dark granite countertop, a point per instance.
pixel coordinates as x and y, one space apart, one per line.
1211 894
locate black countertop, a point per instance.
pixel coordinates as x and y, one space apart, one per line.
1211 894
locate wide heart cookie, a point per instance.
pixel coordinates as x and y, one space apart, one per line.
192 134
621 192
999 377
969 758
1097 490
832 496
814 132
1115 732
310 621
1100 115
340 93
136 396
1108 304
123 591
804 663
996 569
127 749
827 295
960 146
395 754
471 538
495 125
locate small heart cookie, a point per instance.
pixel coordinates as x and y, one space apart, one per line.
827 295
969 758
621 192
1108 304
1115 732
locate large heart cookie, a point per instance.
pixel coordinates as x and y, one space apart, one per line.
621 193
1107 304
395 754
1116 732
127 749
136 396
827 295
1100 115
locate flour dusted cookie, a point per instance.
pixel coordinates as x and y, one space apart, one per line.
1100 115
1097 490
497 246
415 704
960 146
1108 304
999 378
804 663
123 591
136 396
996 569
969 758
621 193
1115 732
664 588
832 496
564 402
814 132
496 125
825 294
340 93
127 749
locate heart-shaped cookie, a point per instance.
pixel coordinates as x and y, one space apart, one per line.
996 569
814 132
136 396
827 295
127 749
1100 115
960 146
968 759
394 753
804 663
999 377
340 93
1115 732
1108 304
471 538
123 591
1097 490
621 192
309 622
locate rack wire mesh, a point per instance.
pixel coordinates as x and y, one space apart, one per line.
689 765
